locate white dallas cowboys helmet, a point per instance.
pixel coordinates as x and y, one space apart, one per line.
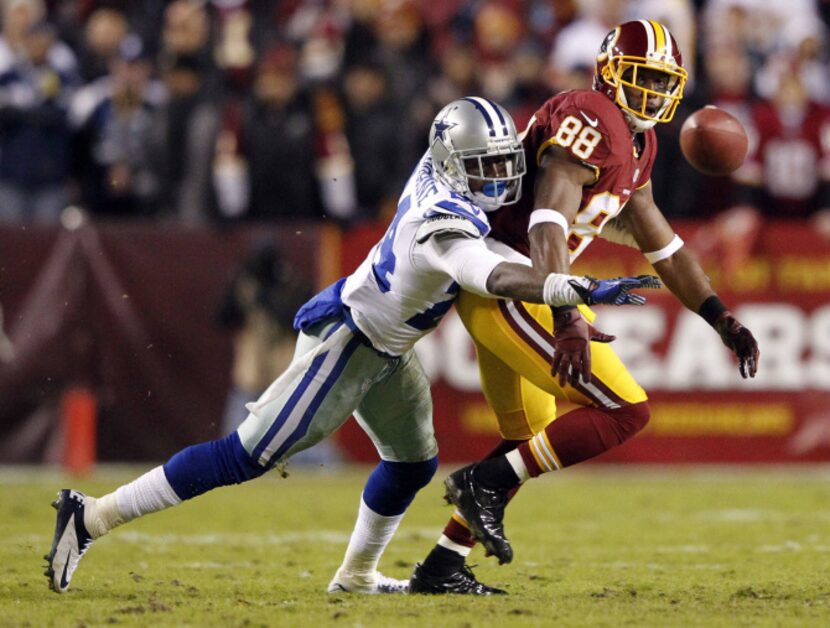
477 152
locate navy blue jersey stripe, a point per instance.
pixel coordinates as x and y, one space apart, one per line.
498 112
484 113
315 404
460 210
293 400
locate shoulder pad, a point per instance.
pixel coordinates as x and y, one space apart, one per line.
589 126
445 223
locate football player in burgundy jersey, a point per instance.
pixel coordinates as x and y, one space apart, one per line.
589 156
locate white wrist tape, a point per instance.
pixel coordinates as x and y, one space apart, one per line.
548 215
667 251
557 291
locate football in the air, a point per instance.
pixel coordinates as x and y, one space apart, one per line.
713 141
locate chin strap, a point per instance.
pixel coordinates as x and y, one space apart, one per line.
487 203
638 125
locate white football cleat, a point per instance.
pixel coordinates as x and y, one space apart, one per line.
71 540
344 582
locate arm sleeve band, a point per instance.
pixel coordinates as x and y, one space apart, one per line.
558 290
548 215
468 261
667 251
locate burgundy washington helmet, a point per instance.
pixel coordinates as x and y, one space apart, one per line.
625 53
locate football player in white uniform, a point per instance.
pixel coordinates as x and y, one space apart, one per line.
354 353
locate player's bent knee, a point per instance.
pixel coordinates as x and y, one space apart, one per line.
242 465
631 418
393 485
416 475
411 476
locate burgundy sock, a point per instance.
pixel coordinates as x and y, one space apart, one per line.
584 433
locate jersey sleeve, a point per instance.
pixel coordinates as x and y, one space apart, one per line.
467 260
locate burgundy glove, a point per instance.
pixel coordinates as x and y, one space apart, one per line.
740 341
572 336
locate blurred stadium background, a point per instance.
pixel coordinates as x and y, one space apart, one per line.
175 177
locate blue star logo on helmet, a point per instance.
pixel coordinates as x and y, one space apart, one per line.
442 126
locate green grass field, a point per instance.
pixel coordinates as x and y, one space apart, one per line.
596 547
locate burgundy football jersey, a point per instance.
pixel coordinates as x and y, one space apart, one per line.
593 129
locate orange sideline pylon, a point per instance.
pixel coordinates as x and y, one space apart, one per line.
79 416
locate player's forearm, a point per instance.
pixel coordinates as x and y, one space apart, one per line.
557 198
682 274
548 248
520 282
559 290
516 281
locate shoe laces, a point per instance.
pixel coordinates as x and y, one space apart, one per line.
467 570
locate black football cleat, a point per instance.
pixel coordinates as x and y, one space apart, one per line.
71 539
461 582
483 509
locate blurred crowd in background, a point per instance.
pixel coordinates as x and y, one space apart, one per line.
214 112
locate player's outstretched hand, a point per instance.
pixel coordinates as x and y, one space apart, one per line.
615 291
572 336
740 341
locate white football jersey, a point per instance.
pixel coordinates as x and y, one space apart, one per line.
401 291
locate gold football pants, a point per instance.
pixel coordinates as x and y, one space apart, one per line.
513 340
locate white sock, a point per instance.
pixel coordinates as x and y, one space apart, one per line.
519 467
101 515
461 550
372 533
149 493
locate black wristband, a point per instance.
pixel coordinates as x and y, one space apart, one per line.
711 309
